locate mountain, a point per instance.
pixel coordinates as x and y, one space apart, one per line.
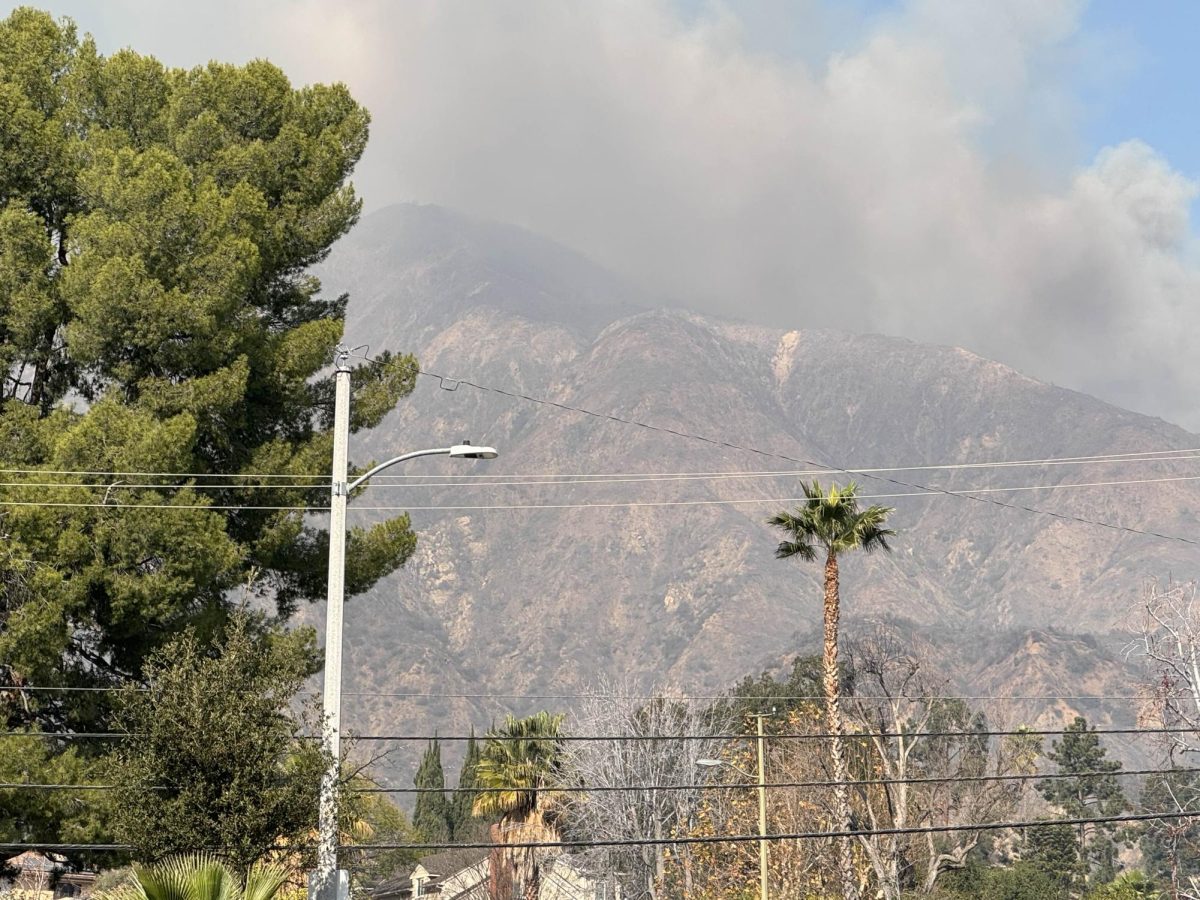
539 588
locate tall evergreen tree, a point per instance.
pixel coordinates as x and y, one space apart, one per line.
165 407
463 824
1053 850
431 817
1093 793
157 315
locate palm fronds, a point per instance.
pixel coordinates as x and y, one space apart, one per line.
199 876
831 520
517 761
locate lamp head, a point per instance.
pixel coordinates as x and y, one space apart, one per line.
466 450
709 763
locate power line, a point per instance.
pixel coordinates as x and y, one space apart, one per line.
866 782
175 506
700 786
387 482
145 486
732 697
25 785
61 848
807 462
1130 456
632 504
701 839
797 835
729 696
632 738
799 736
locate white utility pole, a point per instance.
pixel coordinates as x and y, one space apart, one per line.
329 882
328 879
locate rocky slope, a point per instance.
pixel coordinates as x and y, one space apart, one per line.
540 588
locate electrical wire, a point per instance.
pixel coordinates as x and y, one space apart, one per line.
865 782
714 697
386 482
790 836
795 736
452 695
604 697
458 382
700 839
711 785
634 738
635 504
1130 456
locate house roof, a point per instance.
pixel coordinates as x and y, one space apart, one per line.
450 861
439 865
31 860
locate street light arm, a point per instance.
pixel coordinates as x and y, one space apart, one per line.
357 482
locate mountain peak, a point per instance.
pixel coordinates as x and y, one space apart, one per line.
415 267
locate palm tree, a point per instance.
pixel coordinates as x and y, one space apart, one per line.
833 522
516 765
200 876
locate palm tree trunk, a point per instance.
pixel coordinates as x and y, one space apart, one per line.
500 864
533 875
837 750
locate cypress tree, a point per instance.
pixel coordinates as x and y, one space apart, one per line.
462 822
432 815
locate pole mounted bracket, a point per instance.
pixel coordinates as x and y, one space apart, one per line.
340 489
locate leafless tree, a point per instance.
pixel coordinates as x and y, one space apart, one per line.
1168 641
619 790
897 701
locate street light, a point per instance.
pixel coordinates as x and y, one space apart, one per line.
762 804
328 882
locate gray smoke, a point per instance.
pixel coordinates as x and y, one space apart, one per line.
788 163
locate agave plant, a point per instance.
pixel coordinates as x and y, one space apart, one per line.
199 876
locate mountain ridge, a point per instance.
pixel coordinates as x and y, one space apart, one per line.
539 589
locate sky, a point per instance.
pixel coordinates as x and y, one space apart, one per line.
1016 177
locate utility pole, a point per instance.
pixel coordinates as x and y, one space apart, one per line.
329 882
762 810
762 796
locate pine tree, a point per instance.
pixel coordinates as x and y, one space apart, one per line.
1053 851
432 815
1087 796
158 314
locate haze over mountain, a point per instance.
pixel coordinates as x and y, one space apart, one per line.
539 588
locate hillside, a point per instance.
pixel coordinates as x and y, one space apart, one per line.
507 599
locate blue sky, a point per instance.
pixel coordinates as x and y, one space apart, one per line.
1156 99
